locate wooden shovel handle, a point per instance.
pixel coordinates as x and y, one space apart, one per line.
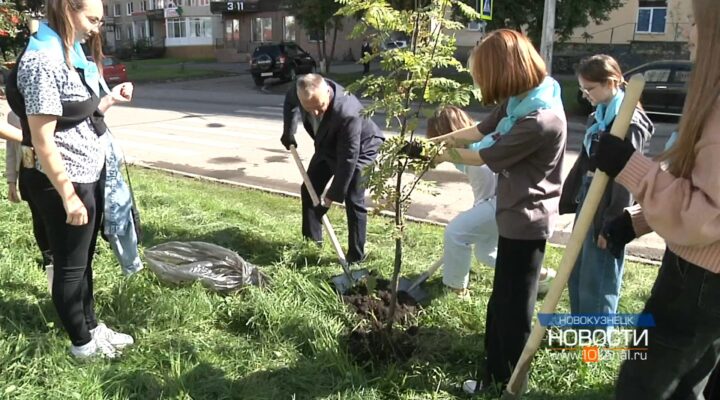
316 201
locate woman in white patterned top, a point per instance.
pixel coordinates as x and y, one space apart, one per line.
56 95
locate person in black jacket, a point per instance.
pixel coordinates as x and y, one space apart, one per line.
594 285
345 142
365 50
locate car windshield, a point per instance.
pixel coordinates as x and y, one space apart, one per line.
109 62
272 50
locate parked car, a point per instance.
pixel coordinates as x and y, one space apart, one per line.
114 71
394 44
280 60
665 86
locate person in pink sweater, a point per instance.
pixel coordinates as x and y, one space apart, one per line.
679 198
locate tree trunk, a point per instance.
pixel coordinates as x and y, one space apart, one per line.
332 48
399 230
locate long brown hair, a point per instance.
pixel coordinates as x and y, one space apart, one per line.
506 64
447 119
59 16
703 89
600 68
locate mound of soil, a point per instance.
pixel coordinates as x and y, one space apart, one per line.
372 341
379 345
374 305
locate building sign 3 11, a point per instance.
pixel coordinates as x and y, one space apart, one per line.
235 6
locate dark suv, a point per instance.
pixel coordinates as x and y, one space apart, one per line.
665 86
282 60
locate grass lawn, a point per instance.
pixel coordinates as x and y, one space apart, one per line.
167 68
283 342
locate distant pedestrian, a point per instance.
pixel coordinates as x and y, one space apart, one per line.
365 51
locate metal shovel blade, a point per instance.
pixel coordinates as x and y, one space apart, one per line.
344 282
412 289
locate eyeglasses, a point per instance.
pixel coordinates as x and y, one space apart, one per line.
588 90
98 22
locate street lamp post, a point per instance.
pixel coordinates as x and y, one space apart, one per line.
548 33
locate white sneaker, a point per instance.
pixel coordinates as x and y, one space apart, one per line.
116 339
544 284
94 348
50 273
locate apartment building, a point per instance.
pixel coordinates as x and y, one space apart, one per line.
228 30
186 28
640 21
246 24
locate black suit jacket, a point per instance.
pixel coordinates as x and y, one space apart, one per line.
345 140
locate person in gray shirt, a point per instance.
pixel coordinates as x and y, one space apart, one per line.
523 141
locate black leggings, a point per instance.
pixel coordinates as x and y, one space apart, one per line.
38 225
511 305
72 248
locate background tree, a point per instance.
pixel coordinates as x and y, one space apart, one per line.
13 31
528 15
406 83
318 17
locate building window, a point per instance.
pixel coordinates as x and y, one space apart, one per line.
105 9
651 20
200 27
262 30
176 28
130 35
289 28
129 8
143 5
118 10
316 36
151 29
118 32
140 29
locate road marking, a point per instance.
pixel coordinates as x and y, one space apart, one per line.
239 134
258 112
176 138
126 143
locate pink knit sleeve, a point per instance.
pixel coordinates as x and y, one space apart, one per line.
639 223
683 211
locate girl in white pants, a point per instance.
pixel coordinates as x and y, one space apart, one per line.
474 229
476 226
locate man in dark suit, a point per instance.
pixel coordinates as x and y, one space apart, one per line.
345 142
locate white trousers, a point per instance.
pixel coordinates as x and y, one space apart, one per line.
476 228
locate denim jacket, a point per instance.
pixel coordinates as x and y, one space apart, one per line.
117 217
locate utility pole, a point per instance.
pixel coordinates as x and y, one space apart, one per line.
548 33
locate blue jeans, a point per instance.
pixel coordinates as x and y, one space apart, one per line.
684 346
596 279
118 224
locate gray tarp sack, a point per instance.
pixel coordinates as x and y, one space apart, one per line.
216 267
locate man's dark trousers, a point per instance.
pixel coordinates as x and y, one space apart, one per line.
320 173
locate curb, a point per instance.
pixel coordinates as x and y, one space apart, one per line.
635 253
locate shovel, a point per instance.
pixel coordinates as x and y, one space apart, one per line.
518 381
348 278
412 288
